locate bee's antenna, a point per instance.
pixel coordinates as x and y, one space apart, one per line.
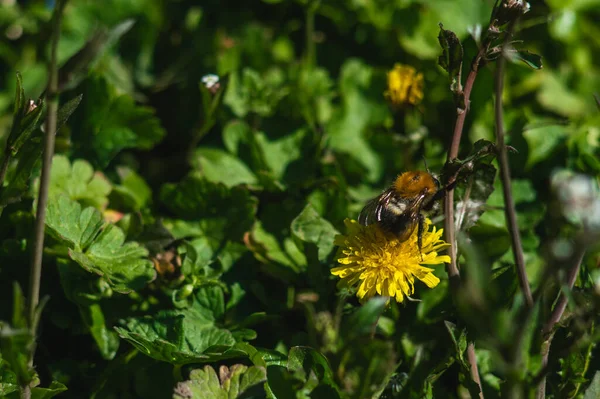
426 167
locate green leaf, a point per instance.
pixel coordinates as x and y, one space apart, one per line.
220 167
451 60
198 258
79 182
459 339
28 160
532 60
181 337
54 389
29 122
310 227
273 161
106 340
70 224
361 108
25 120
133 192
234 381
66 111
16 342
364 320
593 390
209 210
108 123
99 250
78 66
253 93
268 249
8 381
477 189
210 302
123 265
543 138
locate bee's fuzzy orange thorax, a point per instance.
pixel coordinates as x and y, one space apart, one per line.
412 184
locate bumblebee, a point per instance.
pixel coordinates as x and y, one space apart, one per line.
400 209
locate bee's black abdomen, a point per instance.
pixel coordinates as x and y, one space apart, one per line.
399 224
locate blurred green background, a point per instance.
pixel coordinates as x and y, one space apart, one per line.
299 132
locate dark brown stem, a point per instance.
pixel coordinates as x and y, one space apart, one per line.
449 228
452 267
509 205
474 369
50 132
557 313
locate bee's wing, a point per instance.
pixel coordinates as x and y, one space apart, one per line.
371 213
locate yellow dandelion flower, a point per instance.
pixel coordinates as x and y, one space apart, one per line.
405 86
380 264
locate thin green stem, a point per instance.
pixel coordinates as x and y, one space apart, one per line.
311 51
4 166
509 204
50 132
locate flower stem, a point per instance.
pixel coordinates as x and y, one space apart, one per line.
509 205
559 309
50 132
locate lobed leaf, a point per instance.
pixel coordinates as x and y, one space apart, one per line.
231 383
99 248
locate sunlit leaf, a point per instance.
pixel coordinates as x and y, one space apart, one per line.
231 383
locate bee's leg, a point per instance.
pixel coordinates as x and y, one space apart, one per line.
420 228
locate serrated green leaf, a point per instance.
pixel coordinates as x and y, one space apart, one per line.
99 250
123 265
310 227
234 381
54 389
181 337
79 182
70 224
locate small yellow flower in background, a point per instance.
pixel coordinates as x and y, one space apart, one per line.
379 264
405 86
